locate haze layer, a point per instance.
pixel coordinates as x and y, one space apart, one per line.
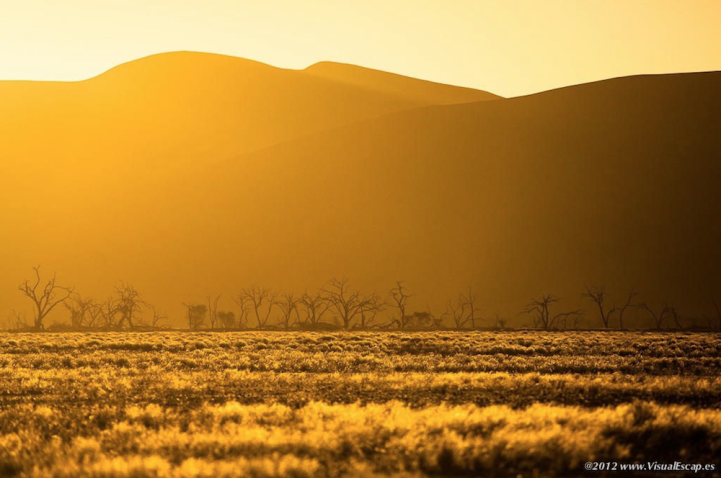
191 174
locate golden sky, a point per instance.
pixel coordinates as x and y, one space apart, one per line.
509 47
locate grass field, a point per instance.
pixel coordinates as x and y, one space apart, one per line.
362 404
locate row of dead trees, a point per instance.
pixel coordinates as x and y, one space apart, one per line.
349 308
612 315
121 311
337 305
345 307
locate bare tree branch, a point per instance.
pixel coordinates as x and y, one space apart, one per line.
598 295
288 305
244 305
45 300
129 304
540 310
349 304
457 311
400 295
315 306
470 305
629 303
213 310
262 302
658 317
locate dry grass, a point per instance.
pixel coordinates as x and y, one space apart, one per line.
353 404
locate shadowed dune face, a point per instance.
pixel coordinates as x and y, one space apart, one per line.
397 85
612 182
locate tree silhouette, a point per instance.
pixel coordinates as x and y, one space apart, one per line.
399 296
81 310
244 305
369 309
629 303
314 306
129 304
470 305
17 320
158 317
348 304
658 317
544 318
257 298
463 310
598 295
457 311
436 321
196 315
44 298
673 314
213 310
227 319
288 305
108 312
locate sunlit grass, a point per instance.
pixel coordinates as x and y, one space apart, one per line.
359 405
351 439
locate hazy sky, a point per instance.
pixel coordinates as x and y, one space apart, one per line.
509 47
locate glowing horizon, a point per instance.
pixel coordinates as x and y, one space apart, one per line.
511 49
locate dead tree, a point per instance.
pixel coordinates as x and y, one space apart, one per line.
213 311
261 301
158 318
244 305
629 303
470 306
436 321
44 298
457 311
399 296
369 309
501 322
598 295
314 307
658 317
673 314
463 310
108 313
79 309
543 318
18 320
93 315
130 304
288 306
349 304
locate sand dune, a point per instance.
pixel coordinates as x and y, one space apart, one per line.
612 182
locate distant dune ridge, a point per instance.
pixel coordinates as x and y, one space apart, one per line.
397 85
190 174
186 107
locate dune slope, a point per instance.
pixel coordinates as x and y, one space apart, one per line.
613 182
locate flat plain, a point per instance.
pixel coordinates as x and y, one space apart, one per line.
355 404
